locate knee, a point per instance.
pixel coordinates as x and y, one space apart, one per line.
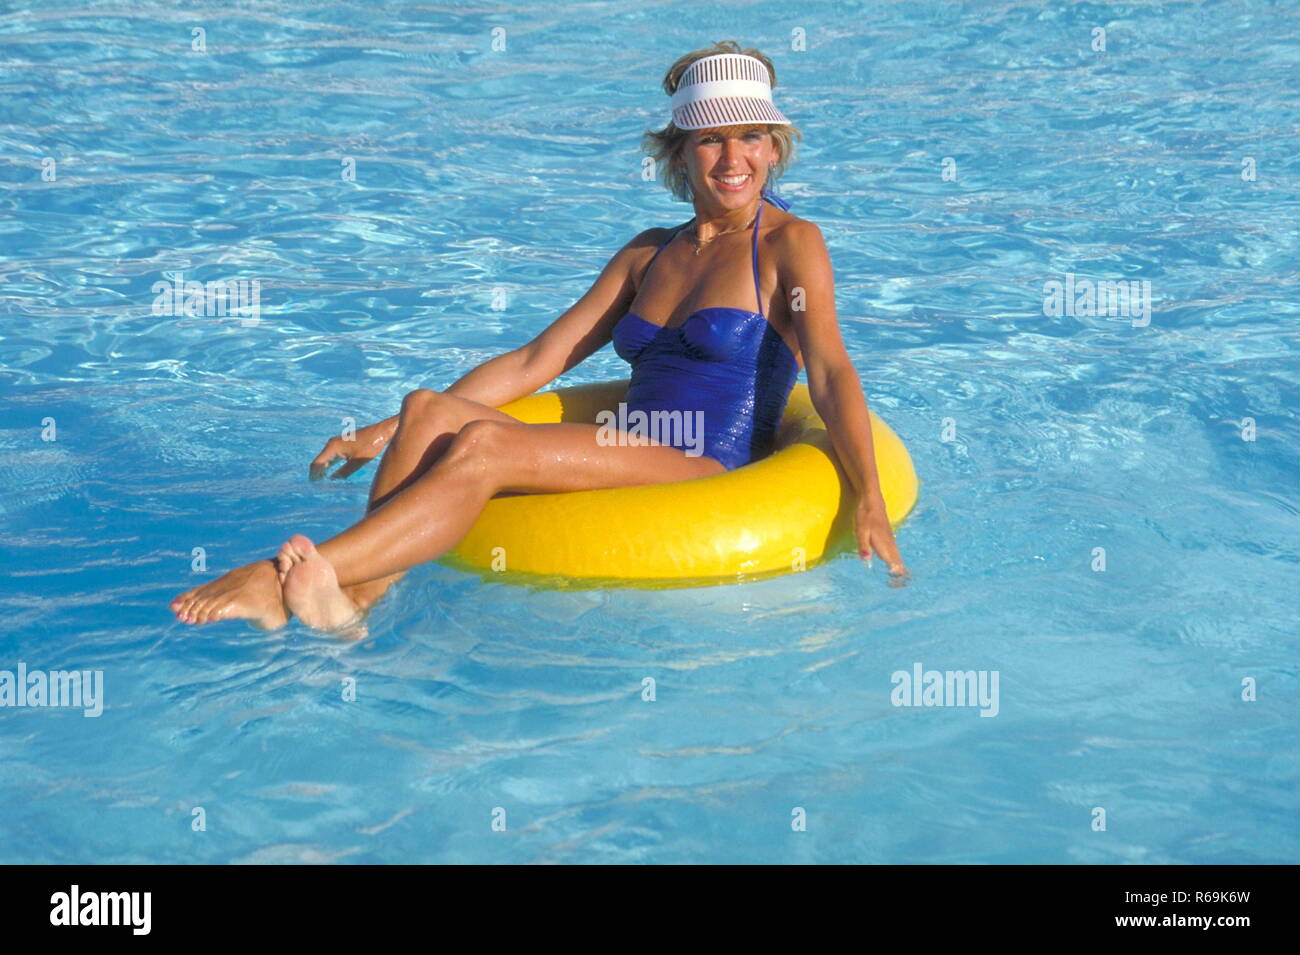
481 439
420 404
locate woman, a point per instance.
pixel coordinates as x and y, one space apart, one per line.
448 453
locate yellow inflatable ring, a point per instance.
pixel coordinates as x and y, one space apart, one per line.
783 513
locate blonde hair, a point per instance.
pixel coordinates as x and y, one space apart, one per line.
665 145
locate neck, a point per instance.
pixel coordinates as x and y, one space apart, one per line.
713 222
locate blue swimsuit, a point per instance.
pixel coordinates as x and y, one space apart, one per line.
727 363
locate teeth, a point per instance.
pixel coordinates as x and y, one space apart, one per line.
733 180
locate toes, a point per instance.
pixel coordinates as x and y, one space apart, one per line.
210 609
186 606
303 545
195 609
288 558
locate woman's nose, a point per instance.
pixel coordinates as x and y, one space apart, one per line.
733 152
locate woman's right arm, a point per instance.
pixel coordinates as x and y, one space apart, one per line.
578 333
582 330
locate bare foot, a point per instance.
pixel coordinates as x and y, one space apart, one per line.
312 592
250 593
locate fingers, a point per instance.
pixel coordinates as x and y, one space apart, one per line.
352 466
894 560
334 450
322 461
887 550
889 553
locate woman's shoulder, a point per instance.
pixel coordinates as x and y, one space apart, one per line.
647 242
653 236
789 233
778 220
633 258
797 250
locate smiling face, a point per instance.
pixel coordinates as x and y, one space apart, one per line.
728 165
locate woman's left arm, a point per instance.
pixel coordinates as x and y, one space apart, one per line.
808 283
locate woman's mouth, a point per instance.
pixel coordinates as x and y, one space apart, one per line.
732 183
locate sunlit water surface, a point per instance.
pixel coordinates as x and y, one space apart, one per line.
480 170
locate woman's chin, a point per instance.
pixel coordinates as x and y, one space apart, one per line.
735 200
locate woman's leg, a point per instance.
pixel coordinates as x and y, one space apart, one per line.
435 510
428 423
251 593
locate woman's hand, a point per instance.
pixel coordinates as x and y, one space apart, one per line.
875 535
363 448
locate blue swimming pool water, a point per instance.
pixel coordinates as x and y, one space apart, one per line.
1040 438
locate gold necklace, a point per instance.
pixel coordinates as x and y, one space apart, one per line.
699 246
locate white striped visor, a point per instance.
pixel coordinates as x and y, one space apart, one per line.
726 89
